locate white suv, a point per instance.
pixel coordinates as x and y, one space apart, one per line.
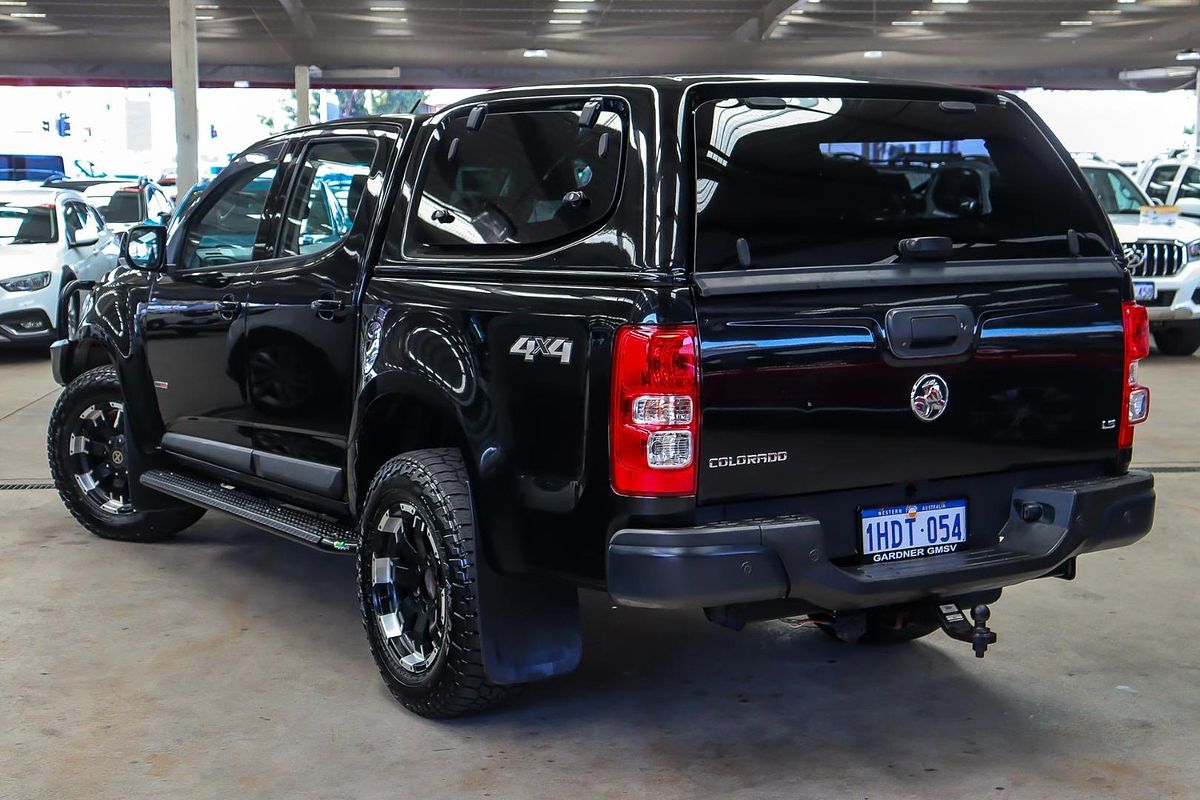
1164 257
1173 182
47 237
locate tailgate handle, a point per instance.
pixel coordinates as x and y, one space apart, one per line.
931 332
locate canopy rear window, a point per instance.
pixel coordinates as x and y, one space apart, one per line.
821 181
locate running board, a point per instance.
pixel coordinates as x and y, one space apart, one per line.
315 531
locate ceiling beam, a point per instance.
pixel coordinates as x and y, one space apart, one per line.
300 18
760 28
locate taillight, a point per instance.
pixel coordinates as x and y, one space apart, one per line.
1135 403
655 425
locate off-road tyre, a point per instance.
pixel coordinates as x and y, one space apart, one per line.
100 387
425 496
1178 340
885 626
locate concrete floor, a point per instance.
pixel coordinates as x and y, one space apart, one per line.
231 664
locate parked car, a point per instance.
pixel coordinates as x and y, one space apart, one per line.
123 202
1162 251
31 167
1173 182
707 343
48 237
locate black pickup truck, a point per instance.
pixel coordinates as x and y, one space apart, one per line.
859 352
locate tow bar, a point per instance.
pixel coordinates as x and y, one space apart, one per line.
979 635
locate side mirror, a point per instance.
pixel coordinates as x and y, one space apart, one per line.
1189 206
144 247
82 239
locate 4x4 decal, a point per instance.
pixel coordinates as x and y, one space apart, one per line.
548 346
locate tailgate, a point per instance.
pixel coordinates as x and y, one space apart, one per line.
810 388
895 284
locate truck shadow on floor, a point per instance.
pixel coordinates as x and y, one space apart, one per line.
762 700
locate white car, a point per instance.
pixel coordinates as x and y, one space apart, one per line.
47 238
1173 182
1163 255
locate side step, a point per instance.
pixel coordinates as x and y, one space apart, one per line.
315 531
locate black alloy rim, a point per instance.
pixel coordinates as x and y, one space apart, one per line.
410 590
98 457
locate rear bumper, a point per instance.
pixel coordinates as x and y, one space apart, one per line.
785 557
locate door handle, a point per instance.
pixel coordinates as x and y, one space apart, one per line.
228 307
327 308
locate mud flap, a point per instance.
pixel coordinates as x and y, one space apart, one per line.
529 631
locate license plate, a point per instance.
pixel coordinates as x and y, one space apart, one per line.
912 531
1144 291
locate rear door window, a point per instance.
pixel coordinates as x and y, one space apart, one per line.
524 179
1161 179
326 194
821 181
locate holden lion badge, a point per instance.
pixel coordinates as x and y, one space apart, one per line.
929 397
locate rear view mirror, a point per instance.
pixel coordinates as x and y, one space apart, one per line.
145 247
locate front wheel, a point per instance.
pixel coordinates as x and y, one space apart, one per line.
1178 340
88 457
417 586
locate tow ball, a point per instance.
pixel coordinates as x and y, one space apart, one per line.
979 635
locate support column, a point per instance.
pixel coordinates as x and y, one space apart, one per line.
1196 129
185 78
302 96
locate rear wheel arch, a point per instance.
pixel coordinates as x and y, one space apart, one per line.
396 423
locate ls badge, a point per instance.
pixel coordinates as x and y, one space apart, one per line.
930 395
547 346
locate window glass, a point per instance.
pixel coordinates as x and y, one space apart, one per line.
523 178
1190 187
1161 179
82 222
227 229
118 204
818 181
1115 190
326 195
21 224
160 206
95 217
74 217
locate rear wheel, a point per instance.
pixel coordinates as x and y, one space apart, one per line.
417 586
883 626
88 456
1178 340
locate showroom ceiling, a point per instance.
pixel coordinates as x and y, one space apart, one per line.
1004 42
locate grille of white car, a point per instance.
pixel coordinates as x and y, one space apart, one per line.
1155 259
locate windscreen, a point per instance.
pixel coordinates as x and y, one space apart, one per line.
21 224
820 181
